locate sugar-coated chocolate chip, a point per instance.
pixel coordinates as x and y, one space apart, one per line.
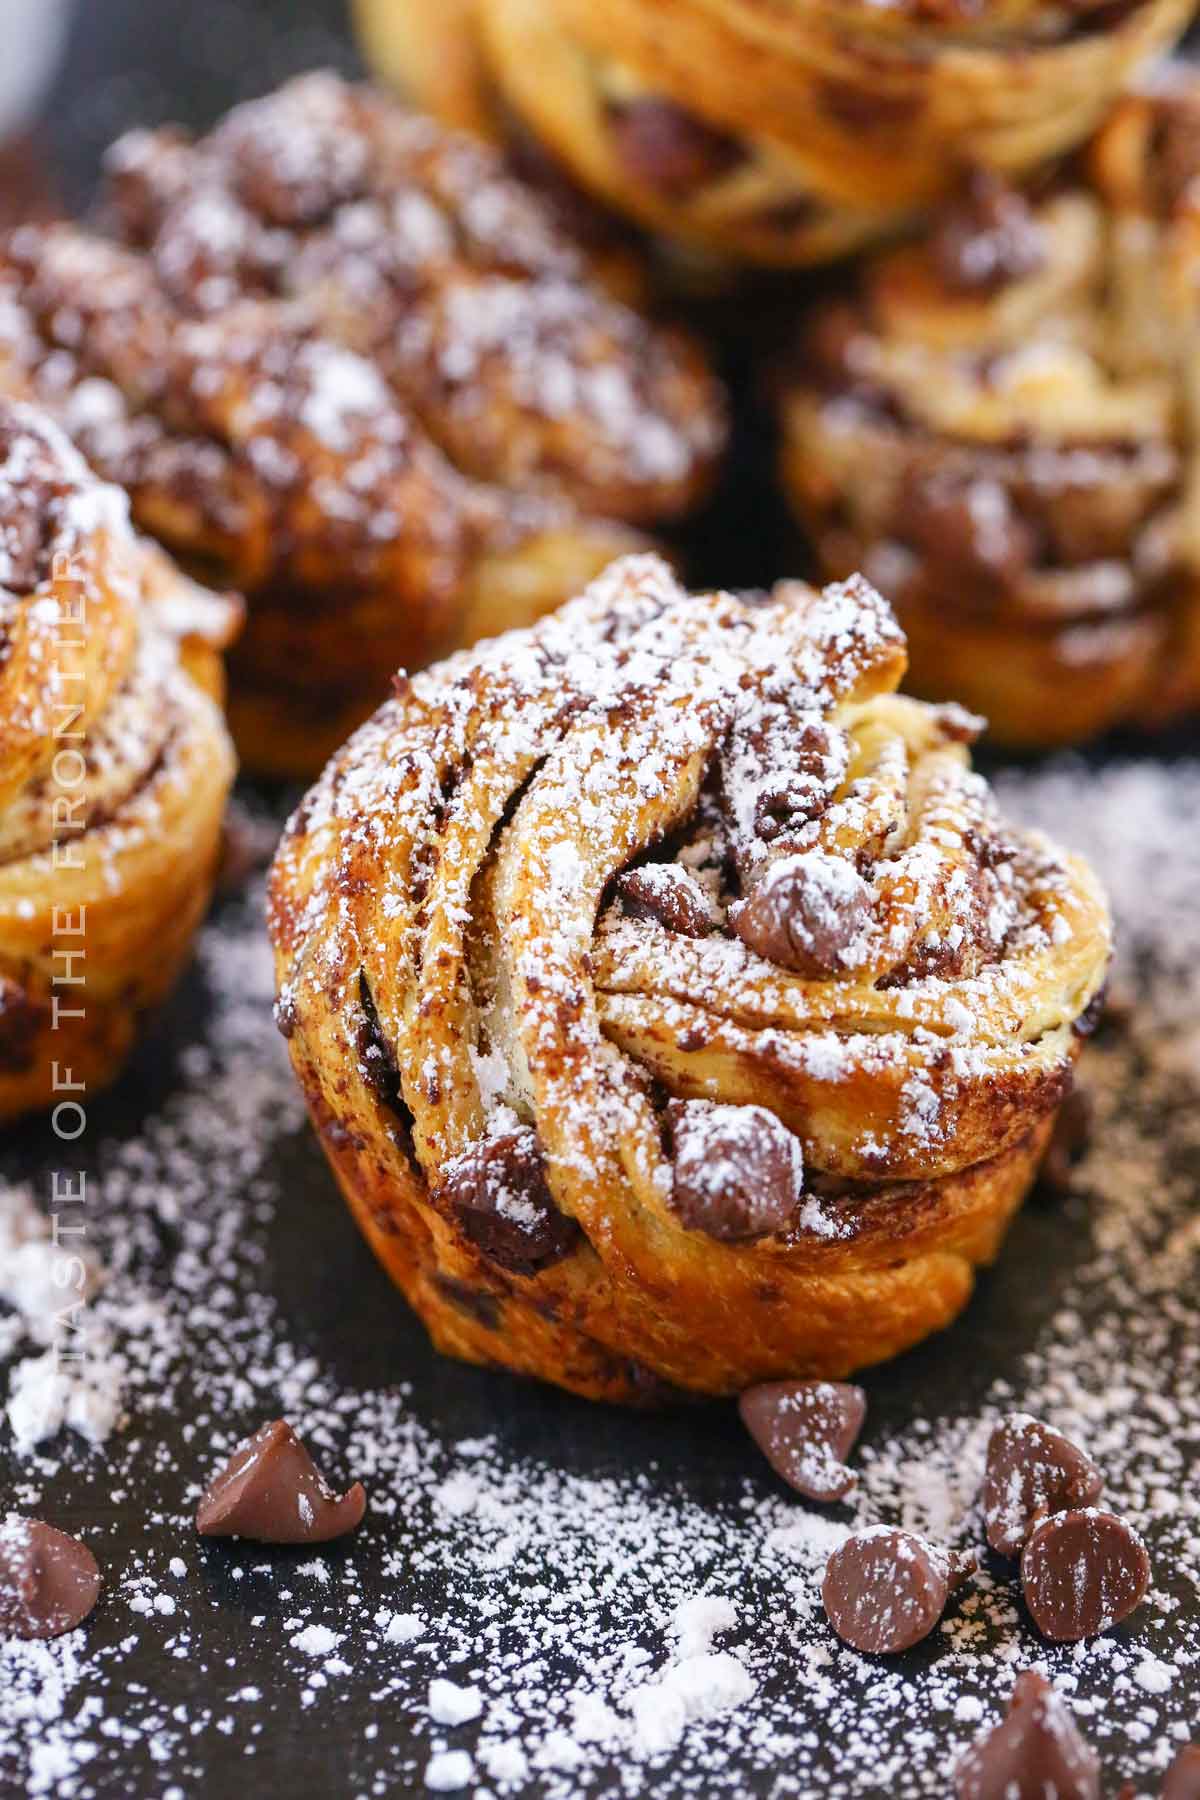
806 1429
497 1191
49 1582
1035 1751
270 1492
1032 1472
885 1589
1082 1572
807 913
1182 1780
990 238
669 894
669 148
738 1171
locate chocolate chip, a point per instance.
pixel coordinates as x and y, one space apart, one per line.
1068 1141
1183 1777
738 1170
967 529
1036 1750
806 1430
1082 1572
270 1491
668 148
886 1589
989 238
1032 1472
497 1191
49 1582
807 913
669 894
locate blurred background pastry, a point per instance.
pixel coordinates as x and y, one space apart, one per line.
674 1005
114 769
782 134
1000 427
346 364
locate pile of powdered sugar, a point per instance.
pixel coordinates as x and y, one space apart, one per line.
636 1622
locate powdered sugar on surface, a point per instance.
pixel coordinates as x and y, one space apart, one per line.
634 1603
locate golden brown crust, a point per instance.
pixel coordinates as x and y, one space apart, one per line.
777 131
513 1053
1001 430
350 368
114 769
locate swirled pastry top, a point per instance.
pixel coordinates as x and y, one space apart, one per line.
412 245
667 847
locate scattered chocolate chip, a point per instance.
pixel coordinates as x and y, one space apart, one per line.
247 845
1032 1472
1082 1572
270 1491
497 1191
1182 1780
669 894
1036 1750
886 1589
49 1582
989 238
668 148
738 1170
1068 1141
806 1430
807 913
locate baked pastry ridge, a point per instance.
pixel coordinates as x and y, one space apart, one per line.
1000 429
672 1004
346 365
778 134
114 769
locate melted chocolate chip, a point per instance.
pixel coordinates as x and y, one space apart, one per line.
885 1589
668 148
806 1429
667 893
1036 1750
49 1582
1032 1472
807 914
497 1191
1082 1572
1183 1777
270 1491
738 1170
989 239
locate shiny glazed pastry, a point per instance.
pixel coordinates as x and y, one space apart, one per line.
1002 431
784 133
348 366
673 1006
114 769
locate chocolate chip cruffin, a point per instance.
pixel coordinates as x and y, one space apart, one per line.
345 364
779 135
114 769
632 1158
1000 428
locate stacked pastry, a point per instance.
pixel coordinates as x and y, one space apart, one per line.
781 134
674 1007
1002 429
343 363
114 768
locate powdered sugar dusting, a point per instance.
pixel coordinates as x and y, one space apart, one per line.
632 1618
